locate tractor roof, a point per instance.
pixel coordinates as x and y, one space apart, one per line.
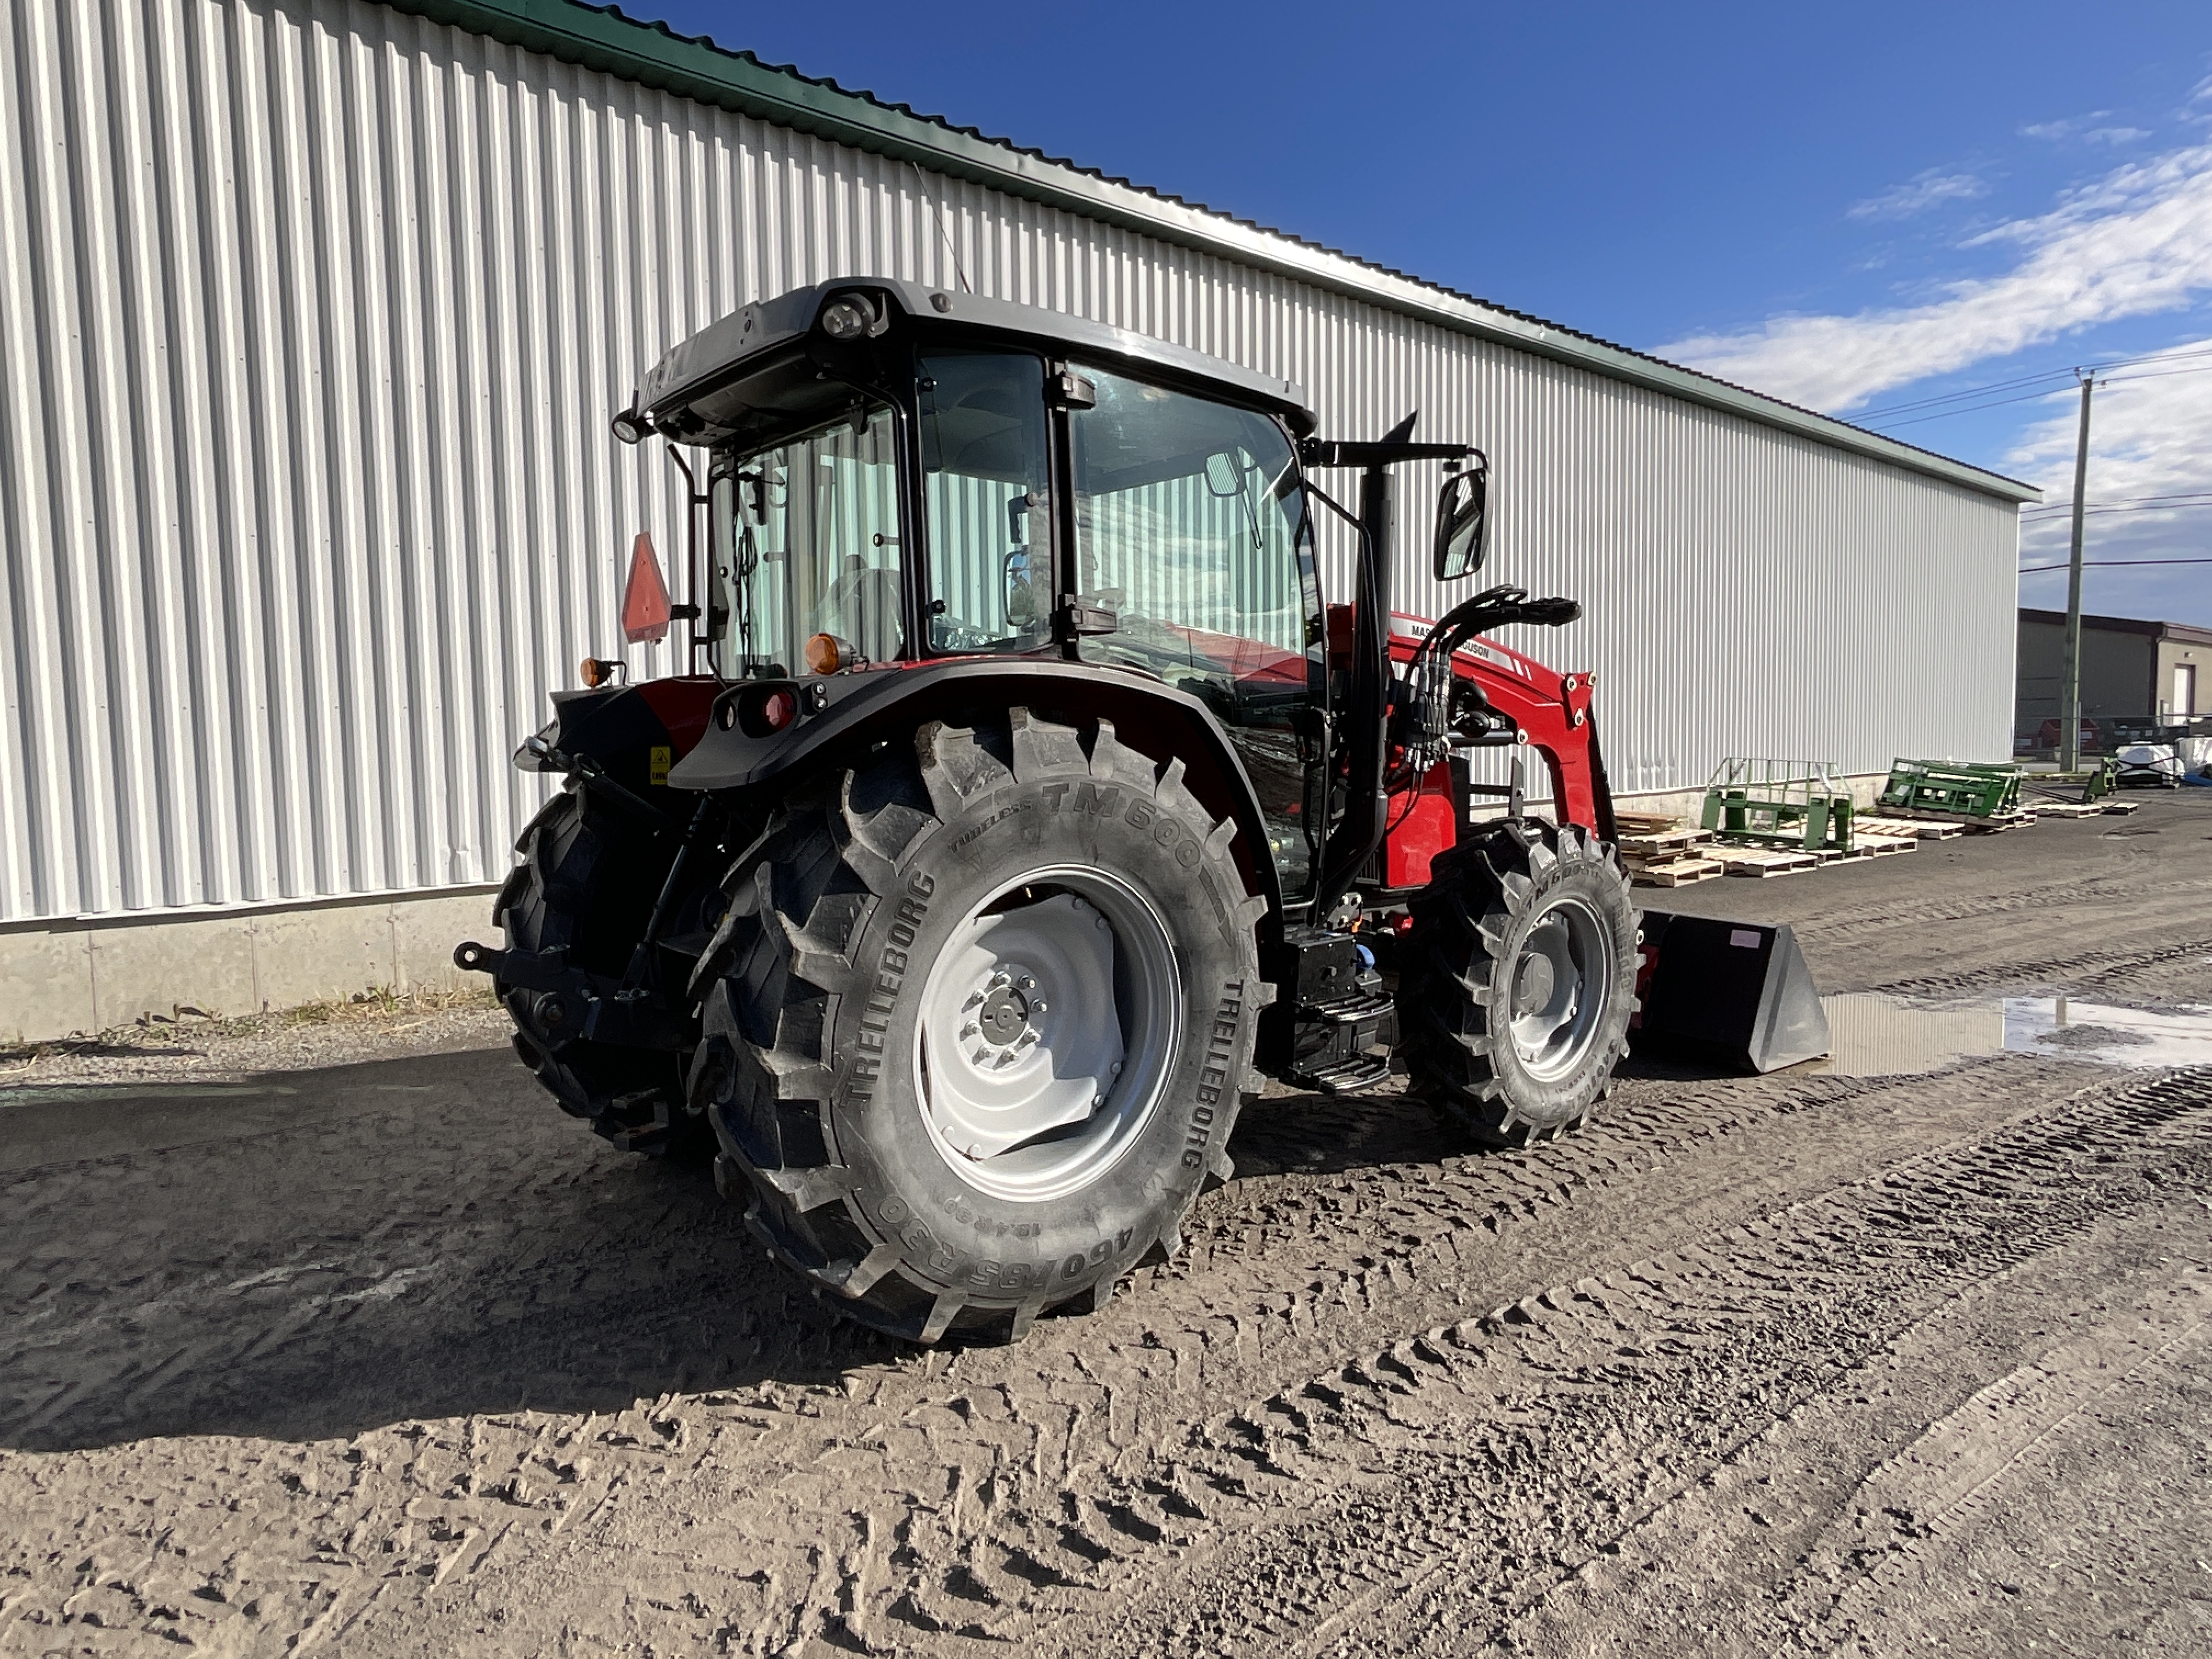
718 352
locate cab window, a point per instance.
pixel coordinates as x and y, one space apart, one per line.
984 476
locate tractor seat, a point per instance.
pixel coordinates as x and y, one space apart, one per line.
866 607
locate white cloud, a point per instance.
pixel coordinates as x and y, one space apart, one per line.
1923 192
2115 134
2056 131
2136 242
2150 439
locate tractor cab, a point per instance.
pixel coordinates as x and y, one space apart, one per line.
899 477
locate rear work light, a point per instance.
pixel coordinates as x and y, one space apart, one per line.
762 711
850 317
596 672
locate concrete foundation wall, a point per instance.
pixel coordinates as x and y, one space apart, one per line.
94 974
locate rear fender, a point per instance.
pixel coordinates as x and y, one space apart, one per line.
844 713
637 734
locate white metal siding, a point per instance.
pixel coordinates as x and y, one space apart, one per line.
311 315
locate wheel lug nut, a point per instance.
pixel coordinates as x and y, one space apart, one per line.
1029 981
1039 1007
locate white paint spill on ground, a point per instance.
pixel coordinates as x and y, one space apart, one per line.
1872 1035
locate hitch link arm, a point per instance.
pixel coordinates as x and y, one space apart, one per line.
573 1002
593 774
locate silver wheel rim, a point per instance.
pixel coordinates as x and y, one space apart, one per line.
1048 1023
1560 988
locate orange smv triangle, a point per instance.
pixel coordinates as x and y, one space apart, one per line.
645 601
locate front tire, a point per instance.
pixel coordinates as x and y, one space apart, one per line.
978 1025
1519 980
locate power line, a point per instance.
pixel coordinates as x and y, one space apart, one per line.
2031 569
2046 514
1995 403
2134 500
2029 396
1866 416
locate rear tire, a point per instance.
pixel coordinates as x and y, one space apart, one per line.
1518 981
978 1024
582 894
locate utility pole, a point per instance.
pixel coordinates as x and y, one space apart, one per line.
2069 691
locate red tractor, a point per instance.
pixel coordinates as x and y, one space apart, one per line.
1026 804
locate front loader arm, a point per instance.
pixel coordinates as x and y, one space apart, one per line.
1509 694
1551 711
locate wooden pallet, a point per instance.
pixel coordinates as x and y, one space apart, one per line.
2120 809
1763 861
1996 824
1915 829
1672 844
1881 847
1676 873
1646 823
2067 809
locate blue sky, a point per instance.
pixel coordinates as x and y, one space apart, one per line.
1855 208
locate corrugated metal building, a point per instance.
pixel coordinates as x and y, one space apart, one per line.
312 314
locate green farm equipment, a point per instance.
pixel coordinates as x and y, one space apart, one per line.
1966 789
1798 804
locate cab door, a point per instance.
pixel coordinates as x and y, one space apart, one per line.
1192 559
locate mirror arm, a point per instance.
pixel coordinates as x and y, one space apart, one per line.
1387 452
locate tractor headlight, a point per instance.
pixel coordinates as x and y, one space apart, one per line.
848 317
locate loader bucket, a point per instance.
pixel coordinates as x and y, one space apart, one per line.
1734 994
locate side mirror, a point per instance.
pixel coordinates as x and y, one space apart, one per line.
1021 596
1463 523
1225 479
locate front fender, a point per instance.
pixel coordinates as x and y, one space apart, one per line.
844 713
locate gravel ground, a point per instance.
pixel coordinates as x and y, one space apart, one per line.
317 1037
343 1336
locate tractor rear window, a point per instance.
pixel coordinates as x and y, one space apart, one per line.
806 542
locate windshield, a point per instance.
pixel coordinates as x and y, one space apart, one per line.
806 541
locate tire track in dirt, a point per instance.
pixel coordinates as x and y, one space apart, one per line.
600 1424
2087 970
1291 1271
1537 1434
2093 893
1949 1475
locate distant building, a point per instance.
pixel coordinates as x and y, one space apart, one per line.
2130 670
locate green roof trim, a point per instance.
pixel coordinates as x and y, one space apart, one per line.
651 55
